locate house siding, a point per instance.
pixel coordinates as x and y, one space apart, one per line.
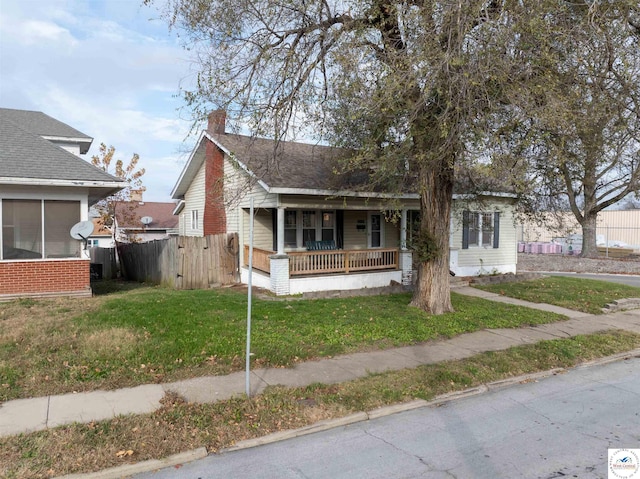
478 260
354 238
239 188
32 278
391 234
261 199
359 239
231 180
262 229
193 200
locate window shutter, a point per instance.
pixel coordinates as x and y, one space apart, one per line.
340 229
465 229
496 229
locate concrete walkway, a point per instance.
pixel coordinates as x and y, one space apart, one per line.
27 415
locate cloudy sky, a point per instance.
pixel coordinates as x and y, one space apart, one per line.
109 68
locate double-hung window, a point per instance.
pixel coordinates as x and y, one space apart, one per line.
195 223
480 229
290 228
309 225
301 226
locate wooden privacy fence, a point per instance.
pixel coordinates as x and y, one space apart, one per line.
182 262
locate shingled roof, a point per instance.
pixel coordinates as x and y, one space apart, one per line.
45 126
292 167
284 164
28 158
161 215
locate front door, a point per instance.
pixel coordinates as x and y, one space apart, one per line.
375 230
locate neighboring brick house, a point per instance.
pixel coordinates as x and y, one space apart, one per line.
45 188
302 207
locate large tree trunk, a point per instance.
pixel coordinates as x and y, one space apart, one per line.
433 292
589 243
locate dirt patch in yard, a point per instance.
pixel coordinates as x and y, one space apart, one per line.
17 318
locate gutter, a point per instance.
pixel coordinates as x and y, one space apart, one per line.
51 182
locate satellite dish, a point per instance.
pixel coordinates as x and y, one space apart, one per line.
82 230
146 220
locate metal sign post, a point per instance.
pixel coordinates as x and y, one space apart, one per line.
248 366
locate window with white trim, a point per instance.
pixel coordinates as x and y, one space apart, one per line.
290 228
35 229
309 226
480 228
301 226
195 224
328 222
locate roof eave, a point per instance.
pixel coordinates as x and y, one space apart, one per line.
84 143
179 207
494 194
117 185
182 185
348 193
369 194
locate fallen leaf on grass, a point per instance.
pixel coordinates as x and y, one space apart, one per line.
124 453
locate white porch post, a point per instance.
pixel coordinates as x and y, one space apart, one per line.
279 274
280 231
241 240
406 256
403 229
279 262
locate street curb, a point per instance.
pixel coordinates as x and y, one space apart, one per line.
200 453
303 431
418 403
140 467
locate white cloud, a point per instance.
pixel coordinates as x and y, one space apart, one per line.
104 69
35 32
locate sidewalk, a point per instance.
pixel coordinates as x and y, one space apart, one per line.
27 415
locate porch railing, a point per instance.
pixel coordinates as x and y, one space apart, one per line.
260 258
331 261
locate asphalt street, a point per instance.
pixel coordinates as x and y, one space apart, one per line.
561 426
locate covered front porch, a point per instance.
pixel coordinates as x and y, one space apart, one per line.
298 272
303 244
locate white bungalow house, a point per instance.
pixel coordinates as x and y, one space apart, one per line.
45 189
312 234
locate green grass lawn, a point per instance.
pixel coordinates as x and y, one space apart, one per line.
586 295
179 426
156 335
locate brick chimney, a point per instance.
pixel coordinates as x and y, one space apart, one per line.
214 219
217 120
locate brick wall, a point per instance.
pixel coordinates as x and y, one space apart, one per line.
214 220
41 277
